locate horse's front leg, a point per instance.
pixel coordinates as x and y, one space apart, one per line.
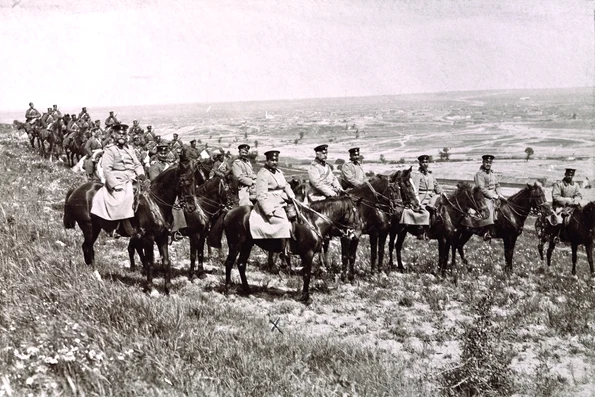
229 262
509 243
574 247
149 262
550 250
193 253
399 247
307 258
162 241
589 249
381 243
460 245
374 252
132 244
324 254
91 231
391 247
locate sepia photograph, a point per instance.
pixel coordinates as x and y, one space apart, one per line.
308 198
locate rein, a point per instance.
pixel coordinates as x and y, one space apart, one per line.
345 230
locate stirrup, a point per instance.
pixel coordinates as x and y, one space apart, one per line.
487 236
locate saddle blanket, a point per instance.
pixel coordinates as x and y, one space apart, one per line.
115 205
410 217
260 228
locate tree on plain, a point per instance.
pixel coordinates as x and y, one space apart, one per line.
529 152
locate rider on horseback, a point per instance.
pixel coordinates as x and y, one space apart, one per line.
117 199
322 180
31 114
352 173
565 197
427 188
273 194
242 170
487 181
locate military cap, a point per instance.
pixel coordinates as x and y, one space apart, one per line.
55 106
111 112
49 108
162 147
272 155
487 157
194 140
354 151
423 157
149 127
120 127
30 103
570 171
84 108
244 146
321 148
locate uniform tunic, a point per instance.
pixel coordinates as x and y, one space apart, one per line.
115 200
353 174
32 114
565 194
269 220
242 170
428 189
156 168
323 181
487 183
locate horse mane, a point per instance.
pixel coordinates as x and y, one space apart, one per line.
380 185
207 185
163 180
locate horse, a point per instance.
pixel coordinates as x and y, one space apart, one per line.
317 221
211 200
28 128
450 211
378 198
580 229
53 135
509 221
74 147
152 216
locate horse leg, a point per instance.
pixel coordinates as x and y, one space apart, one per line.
381 243
509 243
373 252
399 246
550 250
307 258
91 231
193 253
162 241
574 247
324 254
242 264
391 247
589 249
132 246
460 244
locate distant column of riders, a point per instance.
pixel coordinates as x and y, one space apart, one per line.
143 152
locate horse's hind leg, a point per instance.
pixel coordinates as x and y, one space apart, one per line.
229 262
461 241
242 263
307 275
550 249
374 253
399 246
91 232
193 253
589 249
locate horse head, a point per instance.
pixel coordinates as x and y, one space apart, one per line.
471 198
300 189
537 199
231 186
402 187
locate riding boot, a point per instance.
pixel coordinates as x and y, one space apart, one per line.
284 255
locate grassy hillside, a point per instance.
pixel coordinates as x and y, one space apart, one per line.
65 332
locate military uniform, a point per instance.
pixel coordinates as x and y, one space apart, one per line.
242 170
31 115
157 167
488 183
84 116
428 188
110 121
565 194
323 181
191 153
91 146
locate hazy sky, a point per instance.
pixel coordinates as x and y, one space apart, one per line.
81 52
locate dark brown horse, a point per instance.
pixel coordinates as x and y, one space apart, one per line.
452 210
74 146
211 200
378 199
52 134
152 217
316 222
580 229
509 222
28 128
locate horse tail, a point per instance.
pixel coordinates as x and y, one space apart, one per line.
69 221
216 233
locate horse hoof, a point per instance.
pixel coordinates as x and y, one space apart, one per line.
305 299
96 275
153 293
